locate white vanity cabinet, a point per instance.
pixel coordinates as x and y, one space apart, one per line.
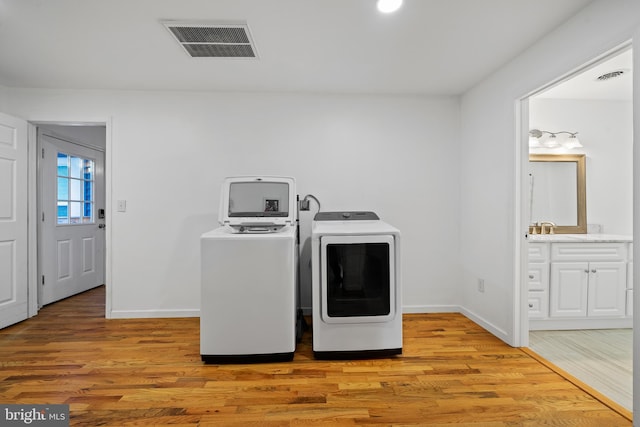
588 279
586 285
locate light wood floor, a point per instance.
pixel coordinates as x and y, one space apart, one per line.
148 372
603 359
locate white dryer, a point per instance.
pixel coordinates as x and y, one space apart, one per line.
249 273
356 292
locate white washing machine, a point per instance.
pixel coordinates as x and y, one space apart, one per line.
249 273
356 293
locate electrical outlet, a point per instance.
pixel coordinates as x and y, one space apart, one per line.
480 285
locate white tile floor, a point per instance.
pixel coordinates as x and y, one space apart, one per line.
602 359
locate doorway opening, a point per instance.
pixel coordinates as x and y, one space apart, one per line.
570 290
71 209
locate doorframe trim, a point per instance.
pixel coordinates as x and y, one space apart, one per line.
32 208
32 220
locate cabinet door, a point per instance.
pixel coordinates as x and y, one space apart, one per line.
607 286
568 286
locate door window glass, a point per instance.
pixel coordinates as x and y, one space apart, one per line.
75 198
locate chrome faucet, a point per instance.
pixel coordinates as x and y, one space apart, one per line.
551 227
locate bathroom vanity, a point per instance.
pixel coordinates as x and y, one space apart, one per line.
580 281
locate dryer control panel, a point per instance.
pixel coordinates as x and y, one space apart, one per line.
346 216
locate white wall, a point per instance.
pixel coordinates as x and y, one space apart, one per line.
606 132
3 99
169 152
490 160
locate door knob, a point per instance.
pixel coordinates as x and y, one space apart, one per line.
102 225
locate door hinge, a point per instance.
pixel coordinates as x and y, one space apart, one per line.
43 280
42 216
43 152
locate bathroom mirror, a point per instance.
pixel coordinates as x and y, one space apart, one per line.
557 191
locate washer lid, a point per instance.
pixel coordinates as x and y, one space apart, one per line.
258 201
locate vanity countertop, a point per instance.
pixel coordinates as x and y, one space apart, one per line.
576 238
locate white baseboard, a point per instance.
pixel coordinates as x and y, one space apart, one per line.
416 309
493 329
573 324
152 314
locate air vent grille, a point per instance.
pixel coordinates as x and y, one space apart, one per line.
213 40
219 50
611 75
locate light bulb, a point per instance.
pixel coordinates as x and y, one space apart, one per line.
388 6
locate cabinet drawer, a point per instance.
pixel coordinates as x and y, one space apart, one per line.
538 252
538 276
589 252
538 303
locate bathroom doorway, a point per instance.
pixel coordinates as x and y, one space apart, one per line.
594 108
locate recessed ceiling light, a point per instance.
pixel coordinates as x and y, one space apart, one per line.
388 6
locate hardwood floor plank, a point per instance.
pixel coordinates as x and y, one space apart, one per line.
148 372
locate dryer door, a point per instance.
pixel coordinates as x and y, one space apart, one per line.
357 278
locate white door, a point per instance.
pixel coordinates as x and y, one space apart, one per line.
71 233
13 221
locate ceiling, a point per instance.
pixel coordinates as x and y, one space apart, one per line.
437 47
586 85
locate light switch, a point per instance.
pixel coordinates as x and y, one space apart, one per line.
122 205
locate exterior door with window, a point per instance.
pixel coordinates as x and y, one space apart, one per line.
71 246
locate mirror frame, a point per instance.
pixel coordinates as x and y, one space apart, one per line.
581 179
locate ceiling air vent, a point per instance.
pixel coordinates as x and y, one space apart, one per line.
213 40
611 75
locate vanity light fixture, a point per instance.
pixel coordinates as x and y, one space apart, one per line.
535 139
